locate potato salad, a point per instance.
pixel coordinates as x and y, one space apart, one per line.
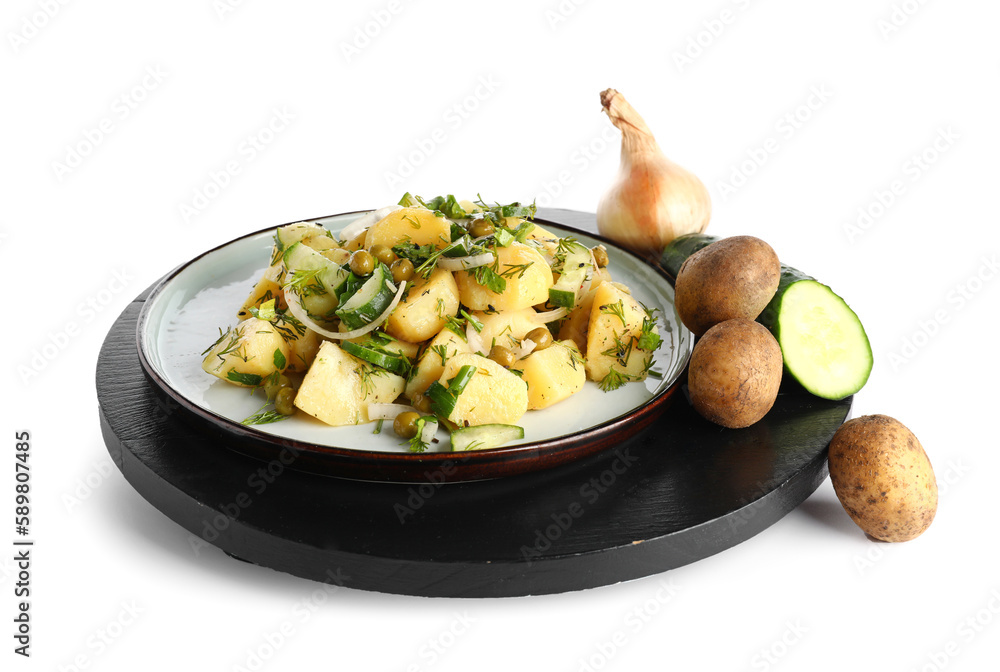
429 314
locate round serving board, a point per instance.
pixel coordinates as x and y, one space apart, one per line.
678 491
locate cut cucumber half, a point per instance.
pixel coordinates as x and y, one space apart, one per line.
370 300
823 343
575 268
391 362
482 437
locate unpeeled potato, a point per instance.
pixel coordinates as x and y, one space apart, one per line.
735 373
733 277
883 478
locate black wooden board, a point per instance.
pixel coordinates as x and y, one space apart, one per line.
682 490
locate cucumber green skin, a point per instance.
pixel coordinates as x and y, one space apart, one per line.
356 318
396 364
682 247
562 298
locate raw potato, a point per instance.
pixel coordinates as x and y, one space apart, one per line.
531 288
735 373
249 349
429 367
420 315
607 331
883 478
419 225
552 374
338 387
494 395
733 277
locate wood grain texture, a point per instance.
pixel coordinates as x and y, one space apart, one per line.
679 491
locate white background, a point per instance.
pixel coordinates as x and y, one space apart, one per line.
811 591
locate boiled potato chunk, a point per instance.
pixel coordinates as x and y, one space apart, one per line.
337 255
426 309
321 242
552 374
338 387
577 325
444 346
248 353
267 288
548 240
303 350
537 233
494 395
527 275
615 324
469 206
418 225
506 328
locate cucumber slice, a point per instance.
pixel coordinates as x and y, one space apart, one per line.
351 286
299 257
823 343
370 300
482 437
396 363
575 268
288 235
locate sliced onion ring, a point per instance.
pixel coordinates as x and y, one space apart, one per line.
388 411
297 310
430 429
473 338
465 263
526 348
552 315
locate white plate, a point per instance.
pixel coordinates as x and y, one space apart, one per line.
183 316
